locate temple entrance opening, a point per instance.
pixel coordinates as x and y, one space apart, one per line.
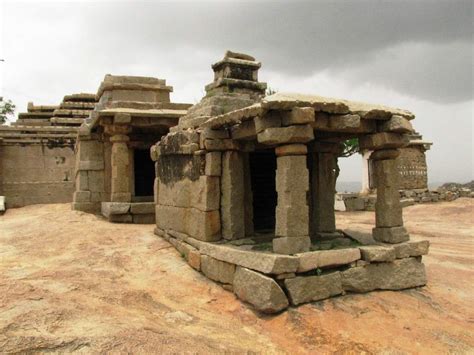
144 171
262 174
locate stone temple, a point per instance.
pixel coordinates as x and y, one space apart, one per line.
241 184
245 188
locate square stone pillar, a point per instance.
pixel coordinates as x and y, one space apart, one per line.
323 190
388 210
232 195
292 212
120 159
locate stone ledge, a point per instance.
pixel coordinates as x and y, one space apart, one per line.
327 258
263 262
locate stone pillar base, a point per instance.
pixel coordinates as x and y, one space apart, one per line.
391 235
291 245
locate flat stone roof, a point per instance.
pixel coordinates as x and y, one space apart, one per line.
287 101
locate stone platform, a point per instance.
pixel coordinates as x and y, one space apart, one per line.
271 282
129 212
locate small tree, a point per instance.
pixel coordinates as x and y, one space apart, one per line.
7 108
351 146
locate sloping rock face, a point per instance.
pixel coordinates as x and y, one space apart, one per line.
259 290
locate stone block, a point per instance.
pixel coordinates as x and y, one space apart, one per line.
91 165
375 253
120 218
292 175
232 199
405 250
214 134
271 120
245 130
396 275
142 208
221 144
354 204
82 196
382 140
213 164
203 193
388 211
90 150
285 135
267 263
96 180
327 258
89 207
291 245
122 118
144 218
217 270
114 208
397 124
390 235
385 154
345 123
194 259
121 196
292 221
202 225
298 115
82 182
260 291
303 289
291 149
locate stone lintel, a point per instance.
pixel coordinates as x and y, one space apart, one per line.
383 140
290 134
291 149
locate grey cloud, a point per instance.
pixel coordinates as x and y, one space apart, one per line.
296 38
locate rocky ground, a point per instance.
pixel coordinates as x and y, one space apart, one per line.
70 281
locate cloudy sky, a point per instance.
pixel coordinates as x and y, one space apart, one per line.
416 55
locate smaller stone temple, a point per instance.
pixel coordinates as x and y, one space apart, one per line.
245 191
37 152
114 173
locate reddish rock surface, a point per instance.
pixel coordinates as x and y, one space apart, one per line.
72 281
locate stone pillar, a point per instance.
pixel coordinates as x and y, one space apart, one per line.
365 172
292 212
232 195
248 197
323 190
388 210
120 159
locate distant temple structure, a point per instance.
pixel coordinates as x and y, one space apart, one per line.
37 156
114 172
412 165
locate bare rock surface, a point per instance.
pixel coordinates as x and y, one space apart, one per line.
71 281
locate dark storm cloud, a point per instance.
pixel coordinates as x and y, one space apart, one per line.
301 38
418 48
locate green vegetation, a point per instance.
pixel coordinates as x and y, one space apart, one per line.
7 108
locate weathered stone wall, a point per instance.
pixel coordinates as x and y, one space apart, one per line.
187 188
34 173
412 168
